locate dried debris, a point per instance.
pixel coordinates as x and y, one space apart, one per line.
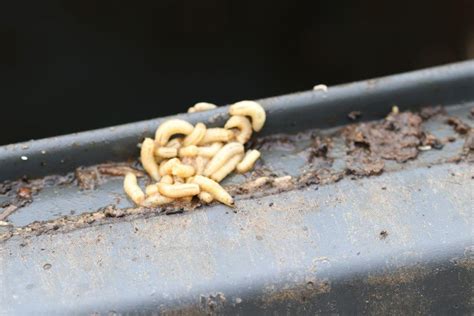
87 178
319 148
361 163
429 140
399 137
118 170
354 115
458 125
430 111
102 216
395 138
7 212
274 142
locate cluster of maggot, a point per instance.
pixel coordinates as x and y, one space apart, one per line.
186 161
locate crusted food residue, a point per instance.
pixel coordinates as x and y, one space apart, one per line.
458 125
395 138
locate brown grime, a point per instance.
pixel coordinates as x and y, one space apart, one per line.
367 147
458 125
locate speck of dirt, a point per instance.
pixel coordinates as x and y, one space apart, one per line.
259 237
47 266
354 115
24 193
270 204
383 234
384 188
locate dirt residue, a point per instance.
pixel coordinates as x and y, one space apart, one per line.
21 193
361 163
468 147
318 149
469 142
430 111
395 138
398 291
362 147
458 125
88 178
102 216
300 293
273 142
383 234
212 303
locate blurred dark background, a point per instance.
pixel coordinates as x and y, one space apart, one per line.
68 66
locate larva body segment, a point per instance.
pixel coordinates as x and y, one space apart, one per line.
167 179
167 166
205 197
189 151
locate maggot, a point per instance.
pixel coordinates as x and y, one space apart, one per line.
244 126
188 151
227 168
130 185
249 160
167 166
178 190
183 171
196 135
201 106
170 128
166 152
216 135
213 188
148 159
223 155
252 109
209 151
156 200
